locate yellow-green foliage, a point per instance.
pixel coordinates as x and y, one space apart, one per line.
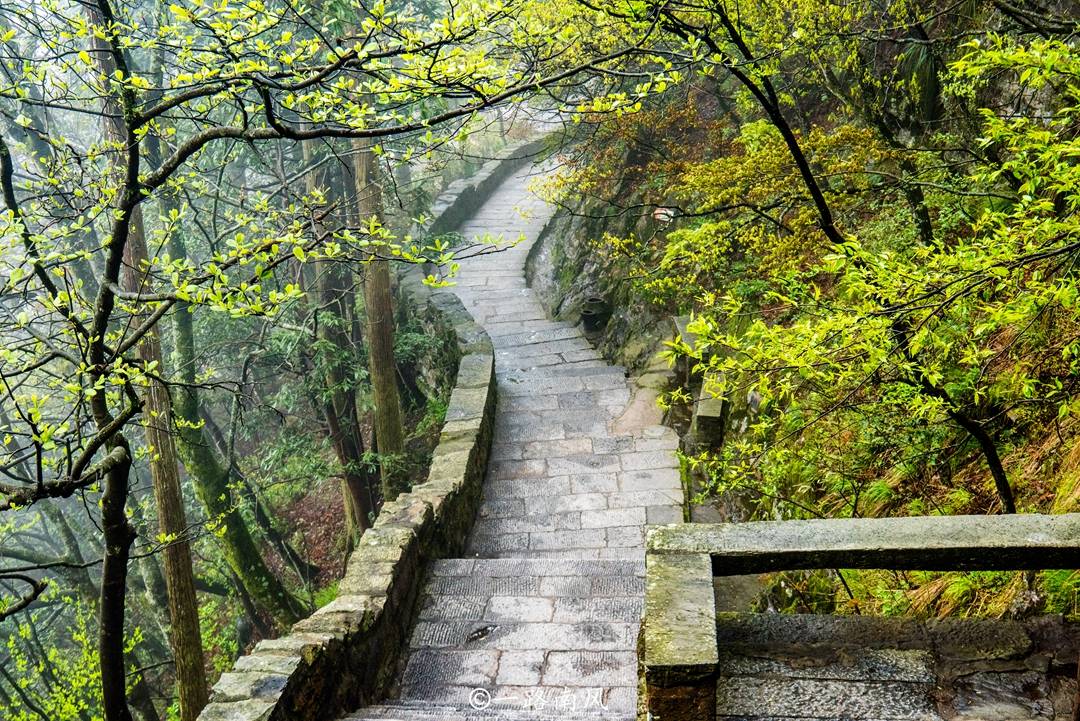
58 672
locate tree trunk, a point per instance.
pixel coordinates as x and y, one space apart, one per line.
209 475
265 523
211 479
336 294
993 460
119 536
974 428
379 308
185 636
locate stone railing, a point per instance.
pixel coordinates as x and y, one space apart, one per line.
681 645
345 654
462 198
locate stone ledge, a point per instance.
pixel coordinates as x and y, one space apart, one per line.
930 543
680 618
344 655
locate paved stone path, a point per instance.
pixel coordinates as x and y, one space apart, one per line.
541 621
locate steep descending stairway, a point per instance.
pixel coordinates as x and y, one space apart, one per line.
541 621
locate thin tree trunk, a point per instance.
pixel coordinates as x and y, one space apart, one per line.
304 568
913 193
993 460
119 535
902 335
185 636
336 307
379 308
211 479
148 570
763 91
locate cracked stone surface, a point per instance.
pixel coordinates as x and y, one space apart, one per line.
862 667
541 621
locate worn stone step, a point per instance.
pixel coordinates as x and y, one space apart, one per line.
551 333
495 545
526 567
863 684
520 370
405 711
542 606
509 517
528 700
554 364
500 327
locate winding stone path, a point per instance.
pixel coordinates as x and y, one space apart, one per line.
541 621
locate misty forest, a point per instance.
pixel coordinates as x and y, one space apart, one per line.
311 312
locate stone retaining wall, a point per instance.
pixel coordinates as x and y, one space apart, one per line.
345 654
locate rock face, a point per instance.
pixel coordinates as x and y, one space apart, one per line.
541 619
566 271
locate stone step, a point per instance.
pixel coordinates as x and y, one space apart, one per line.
529 700
525 567
405 711
520 369
550 333
817 700
499 327
509 517
555 364
568 543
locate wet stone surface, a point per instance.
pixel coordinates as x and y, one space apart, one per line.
541 620
828 667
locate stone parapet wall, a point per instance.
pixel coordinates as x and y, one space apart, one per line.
345 654
462 198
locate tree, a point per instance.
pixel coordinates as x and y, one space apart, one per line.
186 93
184 634
378 306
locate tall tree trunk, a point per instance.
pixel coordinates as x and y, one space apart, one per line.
184 634
211 478
78 575
209 474
379 308
336 294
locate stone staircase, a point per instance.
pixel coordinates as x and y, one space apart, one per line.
541 620
532 637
